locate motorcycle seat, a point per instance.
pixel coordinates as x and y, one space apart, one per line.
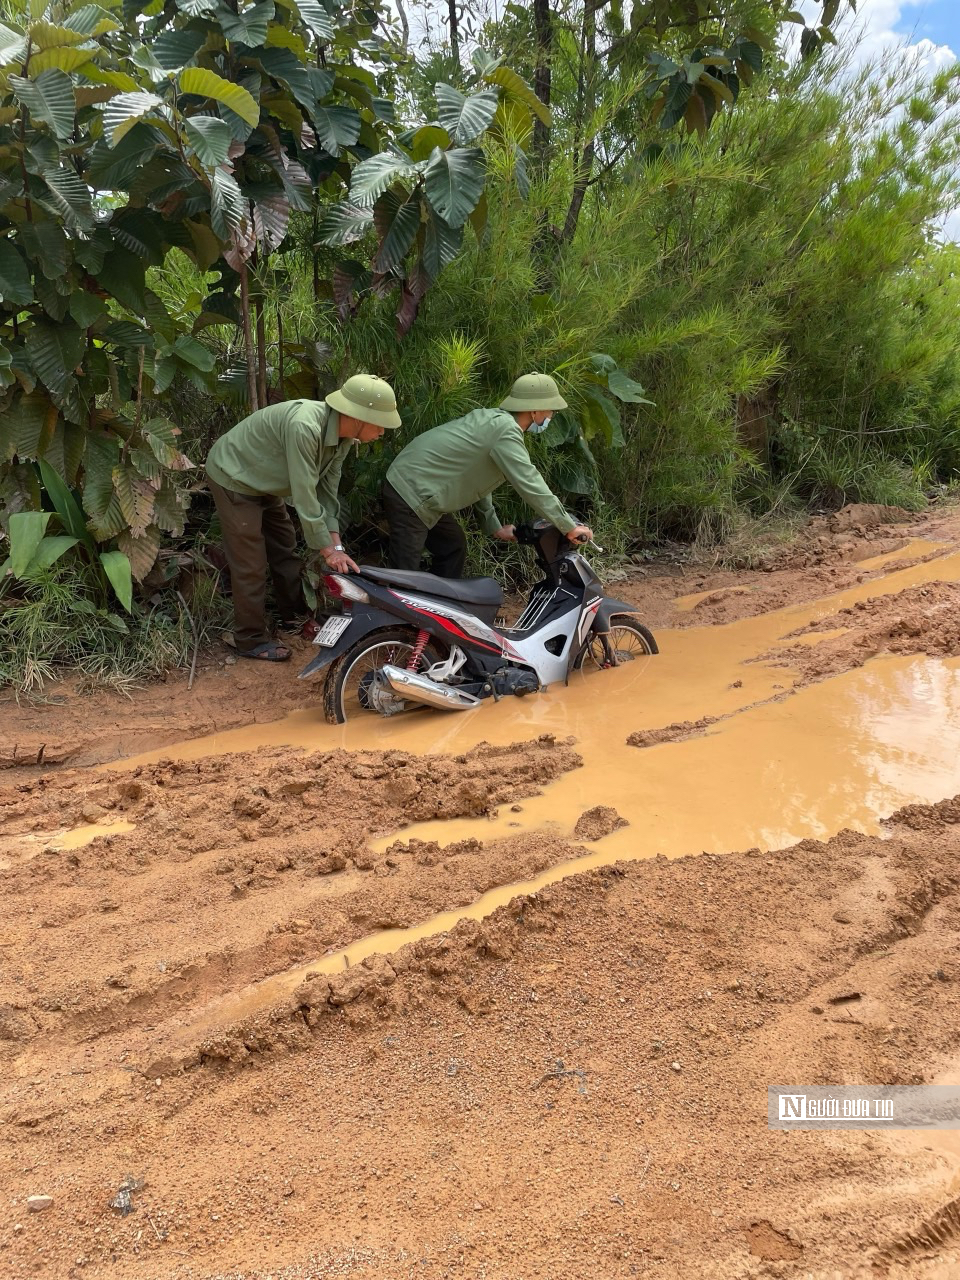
477 591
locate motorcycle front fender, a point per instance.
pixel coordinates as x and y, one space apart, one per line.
363 620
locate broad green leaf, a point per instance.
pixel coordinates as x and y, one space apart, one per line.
32 419
271 217
484 62
280 37
15 286
48 98
197 8
46 35
13 46
194 352
99 500
625 388
91 20
118 80
50 550
207 84
210 138
117 568
343 224
122 274
285 66
86 308
371 177
423 140
70 197
25 531
64 502
249 26
45 243
478 219
60 59
55 350
336 127
174 49
602 417
717 87
398 222
441 245
465 118
454 183
143 58
206 246
517 88
227 206
121 113
316 19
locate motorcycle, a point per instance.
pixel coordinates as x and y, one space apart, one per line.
409 639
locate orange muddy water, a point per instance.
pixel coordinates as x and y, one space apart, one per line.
778 766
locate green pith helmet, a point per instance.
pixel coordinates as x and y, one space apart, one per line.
532 392
368 399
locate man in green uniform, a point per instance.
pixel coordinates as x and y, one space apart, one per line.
292 450
459 465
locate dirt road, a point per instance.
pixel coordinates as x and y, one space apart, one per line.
500 995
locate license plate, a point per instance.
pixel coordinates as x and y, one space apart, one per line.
332 630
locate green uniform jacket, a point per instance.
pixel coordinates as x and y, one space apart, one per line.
291 450
460 464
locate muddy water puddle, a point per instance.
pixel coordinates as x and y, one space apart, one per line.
30 845
777 763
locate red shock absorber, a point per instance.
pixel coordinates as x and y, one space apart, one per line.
413 663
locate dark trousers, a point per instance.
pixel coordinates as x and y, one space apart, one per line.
258 538
446 541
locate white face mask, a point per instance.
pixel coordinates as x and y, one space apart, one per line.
535 428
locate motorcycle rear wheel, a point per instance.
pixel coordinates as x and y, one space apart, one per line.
627 638
345 696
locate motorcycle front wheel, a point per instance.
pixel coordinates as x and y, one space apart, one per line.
626 641
352 687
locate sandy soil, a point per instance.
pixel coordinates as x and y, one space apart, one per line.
572 1087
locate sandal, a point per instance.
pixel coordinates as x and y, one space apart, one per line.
269 651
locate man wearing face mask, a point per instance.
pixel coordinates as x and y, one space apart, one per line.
460 464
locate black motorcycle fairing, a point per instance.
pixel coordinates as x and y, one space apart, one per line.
369 620
609 607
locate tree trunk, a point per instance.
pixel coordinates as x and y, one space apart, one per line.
543 36
454 31
580 184
583 161
248 337
280 389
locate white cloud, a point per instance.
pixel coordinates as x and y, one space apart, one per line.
874 26
874 29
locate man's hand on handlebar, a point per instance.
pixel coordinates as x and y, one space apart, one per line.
506 533
581 533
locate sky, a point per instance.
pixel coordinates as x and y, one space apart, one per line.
928 27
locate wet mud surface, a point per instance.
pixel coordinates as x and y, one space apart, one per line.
500 995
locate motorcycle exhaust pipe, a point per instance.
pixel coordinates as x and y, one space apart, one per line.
419 688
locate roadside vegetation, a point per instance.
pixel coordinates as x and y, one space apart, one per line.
720 231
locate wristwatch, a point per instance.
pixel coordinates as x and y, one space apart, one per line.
338 546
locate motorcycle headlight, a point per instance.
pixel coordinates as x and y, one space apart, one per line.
345 588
